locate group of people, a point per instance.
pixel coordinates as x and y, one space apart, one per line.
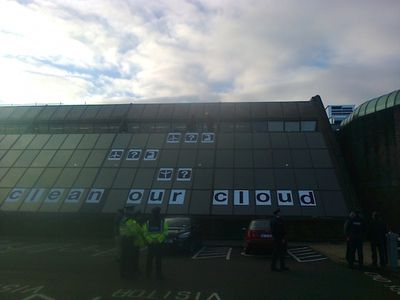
133 233
355 230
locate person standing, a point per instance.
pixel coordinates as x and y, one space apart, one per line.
378 240
354 230
155 233
131 242
280 243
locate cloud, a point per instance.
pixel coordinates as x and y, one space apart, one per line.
107 51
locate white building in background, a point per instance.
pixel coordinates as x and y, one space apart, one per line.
337 113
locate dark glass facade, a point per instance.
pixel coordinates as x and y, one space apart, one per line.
203 159
370 142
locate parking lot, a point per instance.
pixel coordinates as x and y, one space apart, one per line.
42 269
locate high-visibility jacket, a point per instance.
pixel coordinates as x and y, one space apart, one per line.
131 228
155 234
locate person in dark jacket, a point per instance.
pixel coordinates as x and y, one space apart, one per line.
378 240
354 230
280 243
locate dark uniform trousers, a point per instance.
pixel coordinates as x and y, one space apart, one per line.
356 245
279 252
154 252
129 260
379 246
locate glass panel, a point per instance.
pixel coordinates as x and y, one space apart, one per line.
223 179
308 125
243 159
46 113
134 127
105 178
320 158
362 108
104 141
67 178
48 177
203 178
23 141
168 158
224 159
279 140
96 158
181 111
243 140
88 141
261 140
187 158
39 141
86 177
281 159
261 126
227 127
5 112
144 178
390 99
397 102
26 158
8 141
242 127
258 110
3 172
227 111
381 103
75 112
121 140
55 141
315 140
264 179
30 177
371 106
71 141
284 179
150 111
12 177
165 111
290 110
78 159
61 158
90 112
135 112
262 158
18 114
297 140
274 110
292 126
61 113
243 179
242 111
119 111
275 126
124 178
205 159
9 158
105 112
43 158
225 140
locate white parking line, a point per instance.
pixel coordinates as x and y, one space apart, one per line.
228 256
213 252
197 254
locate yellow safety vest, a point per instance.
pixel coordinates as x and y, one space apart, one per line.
131 228
157 236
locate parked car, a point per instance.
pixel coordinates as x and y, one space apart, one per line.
258 237
183 234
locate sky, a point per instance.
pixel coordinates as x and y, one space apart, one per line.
120 51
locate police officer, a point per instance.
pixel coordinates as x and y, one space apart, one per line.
155 233
280 243
354 229
132 240
378 240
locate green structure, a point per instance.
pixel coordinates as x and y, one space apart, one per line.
370 142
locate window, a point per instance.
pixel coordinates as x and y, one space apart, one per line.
275 126
292 126
308 126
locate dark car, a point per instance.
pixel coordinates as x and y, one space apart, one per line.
258 237
183 234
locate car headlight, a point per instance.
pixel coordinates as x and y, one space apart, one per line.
184 235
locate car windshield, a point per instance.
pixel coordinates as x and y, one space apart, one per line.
177 222
260 224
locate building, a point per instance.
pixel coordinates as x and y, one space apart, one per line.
209 160
370 142
337 113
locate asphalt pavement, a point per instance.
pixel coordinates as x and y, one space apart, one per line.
43 269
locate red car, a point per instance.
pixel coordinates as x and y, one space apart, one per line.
258 237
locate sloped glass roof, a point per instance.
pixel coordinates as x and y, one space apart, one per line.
374 105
